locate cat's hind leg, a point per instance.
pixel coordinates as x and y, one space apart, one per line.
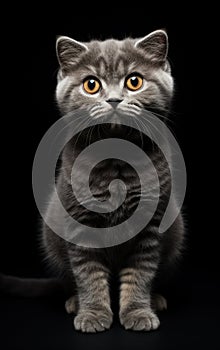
71 305
158 302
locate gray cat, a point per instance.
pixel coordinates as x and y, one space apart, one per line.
99 77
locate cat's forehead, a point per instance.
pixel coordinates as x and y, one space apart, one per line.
112 58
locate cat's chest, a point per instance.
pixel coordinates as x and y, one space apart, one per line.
113 181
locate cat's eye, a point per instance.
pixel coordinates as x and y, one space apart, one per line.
91 85
134 82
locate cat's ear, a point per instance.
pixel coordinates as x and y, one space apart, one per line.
155 45
68 51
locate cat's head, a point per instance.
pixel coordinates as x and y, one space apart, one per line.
104 75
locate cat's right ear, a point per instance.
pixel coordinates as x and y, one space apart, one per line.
68 51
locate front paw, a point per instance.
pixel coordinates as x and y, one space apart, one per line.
139 320
91 321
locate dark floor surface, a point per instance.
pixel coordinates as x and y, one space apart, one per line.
191 322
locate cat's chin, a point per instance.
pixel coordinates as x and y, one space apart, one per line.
118 116
119 130
114 118
119 123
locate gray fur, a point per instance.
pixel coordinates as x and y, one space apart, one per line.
137 262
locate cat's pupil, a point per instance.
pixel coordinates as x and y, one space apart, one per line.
134 81
91 84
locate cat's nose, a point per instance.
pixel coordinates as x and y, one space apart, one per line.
114 102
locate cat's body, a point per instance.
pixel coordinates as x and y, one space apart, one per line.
137 262
99 77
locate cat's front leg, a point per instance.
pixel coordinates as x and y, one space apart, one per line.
135 290
94 312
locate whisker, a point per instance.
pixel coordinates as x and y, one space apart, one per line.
140 133
157 129
87 136
162 116
85 122
92 129
148 130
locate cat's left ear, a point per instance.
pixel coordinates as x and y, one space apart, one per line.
155 46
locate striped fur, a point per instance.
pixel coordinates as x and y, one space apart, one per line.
137 262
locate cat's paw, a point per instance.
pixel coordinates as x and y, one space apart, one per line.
158 302
91 321
140 320
70 305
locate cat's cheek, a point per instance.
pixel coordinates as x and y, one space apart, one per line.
100 109
61 89
130 108
166 79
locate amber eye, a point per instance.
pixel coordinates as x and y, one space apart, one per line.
91 85
134 82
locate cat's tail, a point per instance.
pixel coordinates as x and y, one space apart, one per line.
31 287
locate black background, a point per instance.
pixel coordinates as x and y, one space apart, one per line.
29 74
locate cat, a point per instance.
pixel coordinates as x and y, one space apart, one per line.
99 77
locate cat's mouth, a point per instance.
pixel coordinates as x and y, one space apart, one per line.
114 112
120 123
